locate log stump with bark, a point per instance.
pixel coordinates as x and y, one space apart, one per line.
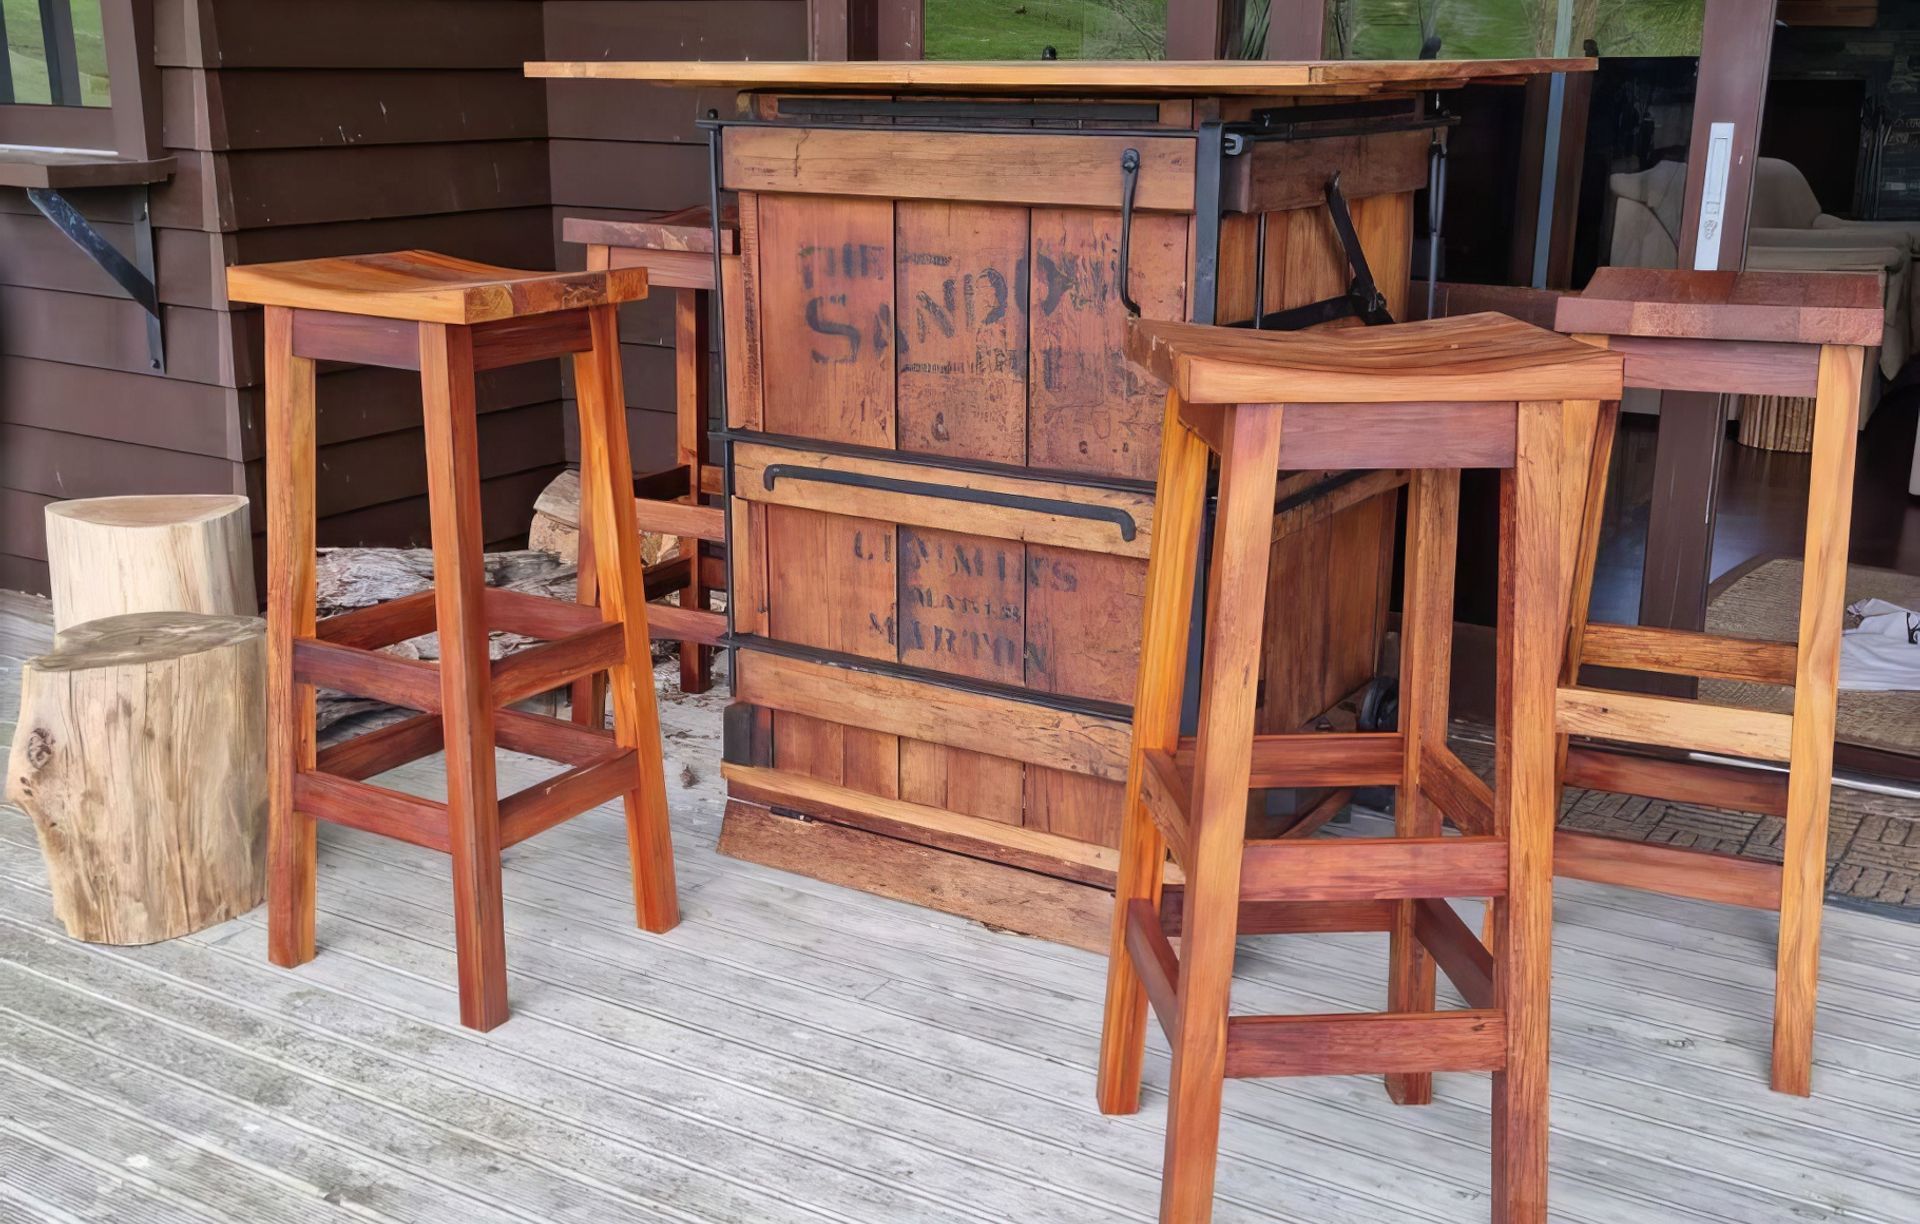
141 757
109 556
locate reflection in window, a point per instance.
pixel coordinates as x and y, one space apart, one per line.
1503 29
1025 29
56 55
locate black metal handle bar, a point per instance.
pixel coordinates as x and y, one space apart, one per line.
986 497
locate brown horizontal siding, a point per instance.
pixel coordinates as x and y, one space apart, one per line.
218 111
261 188
393 467
135 408
346 33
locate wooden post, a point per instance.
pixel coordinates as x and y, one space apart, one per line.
1526 802
1222 771
1297 29
1179 508
636 714
459 583
290 615
1823 597
1426 653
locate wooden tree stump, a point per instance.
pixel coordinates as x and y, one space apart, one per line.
186 553
141 757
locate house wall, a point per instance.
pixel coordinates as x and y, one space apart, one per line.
332 127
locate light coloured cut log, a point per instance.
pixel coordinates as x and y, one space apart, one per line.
185 553
141 757
556 524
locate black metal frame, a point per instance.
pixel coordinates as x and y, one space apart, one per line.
134 276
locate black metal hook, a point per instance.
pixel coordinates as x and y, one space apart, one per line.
1129 184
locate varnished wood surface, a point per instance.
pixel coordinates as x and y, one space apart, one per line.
1085 77
1476 358
427 287
689 229
1776 307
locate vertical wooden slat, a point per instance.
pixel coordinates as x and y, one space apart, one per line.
587 696
827 338
1823 596
1222 768
960 368
473 811
290 615
636 716
1179 507
1525 802
1426 649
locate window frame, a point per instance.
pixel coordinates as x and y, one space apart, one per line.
129 127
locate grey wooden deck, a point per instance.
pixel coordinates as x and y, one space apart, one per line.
799 1052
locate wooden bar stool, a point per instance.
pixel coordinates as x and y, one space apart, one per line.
448 318
1479 391
1780 333
677 251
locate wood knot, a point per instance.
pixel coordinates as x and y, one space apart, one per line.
39 748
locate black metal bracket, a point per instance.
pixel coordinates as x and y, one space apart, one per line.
1436 217
134 276
1362 300
776 472
1129 184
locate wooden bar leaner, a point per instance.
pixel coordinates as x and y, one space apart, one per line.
448 318
1480 391
678 252
1776 333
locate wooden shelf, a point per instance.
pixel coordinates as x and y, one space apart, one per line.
23 166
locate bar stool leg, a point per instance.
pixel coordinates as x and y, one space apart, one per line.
690 393
459 583
1222 770
588 695
1179 505
1815 699
1526 801
290 615
1426 655
616 542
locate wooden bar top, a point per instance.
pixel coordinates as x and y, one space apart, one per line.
1078 77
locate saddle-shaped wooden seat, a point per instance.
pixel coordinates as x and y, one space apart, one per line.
426 287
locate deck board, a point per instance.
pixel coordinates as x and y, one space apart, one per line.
799 1052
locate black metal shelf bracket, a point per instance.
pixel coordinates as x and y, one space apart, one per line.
134 276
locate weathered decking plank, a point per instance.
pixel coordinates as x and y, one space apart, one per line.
800 1052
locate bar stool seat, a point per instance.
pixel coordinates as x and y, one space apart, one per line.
1482 356
1435 397
427 287
448 318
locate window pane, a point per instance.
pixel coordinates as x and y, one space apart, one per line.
55 53
1024 29
1499 29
